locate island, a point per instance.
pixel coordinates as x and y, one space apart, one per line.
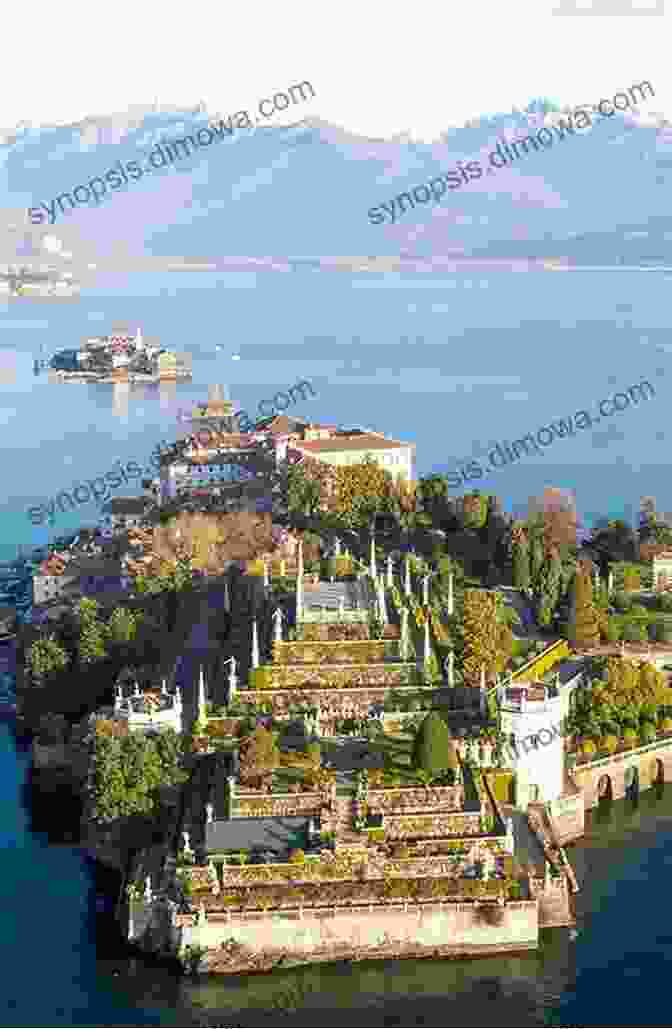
365 722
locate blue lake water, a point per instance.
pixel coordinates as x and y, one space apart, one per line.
452 363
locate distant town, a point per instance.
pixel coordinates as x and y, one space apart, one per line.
120 356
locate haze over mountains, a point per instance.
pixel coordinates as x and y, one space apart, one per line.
302 193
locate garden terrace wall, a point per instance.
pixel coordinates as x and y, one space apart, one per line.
329 676
410 800
396 930
325 631
402 827
278 805
337 703
334 652
346 893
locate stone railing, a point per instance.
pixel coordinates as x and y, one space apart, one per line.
401 827
329 616
336 631
285 874
337 652
276 805
367 895
409 800
602 762
334 676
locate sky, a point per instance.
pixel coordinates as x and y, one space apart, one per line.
377 69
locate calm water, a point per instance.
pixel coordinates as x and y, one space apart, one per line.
452 363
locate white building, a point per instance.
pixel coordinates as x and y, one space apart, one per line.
149 711
531 720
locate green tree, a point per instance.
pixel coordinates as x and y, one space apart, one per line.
521 564
46 657
583 622
92 632
433 750
480 635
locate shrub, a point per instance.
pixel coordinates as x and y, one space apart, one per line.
614 631
648 732
634 633
609 743
664 634
433 749
622 601
630 737
297 857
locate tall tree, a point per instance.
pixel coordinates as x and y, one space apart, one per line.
584 626
521 559
433 749
46 657
480 635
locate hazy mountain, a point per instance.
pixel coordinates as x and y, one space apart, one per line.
600 196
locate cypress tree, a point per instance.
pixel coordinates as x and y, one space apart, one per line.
521 564
583 624
433 750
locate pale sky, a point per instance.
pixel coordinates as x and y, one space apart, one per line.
377 68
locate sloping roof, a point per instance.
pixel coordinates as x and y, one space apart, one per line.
365 441
276 834
281 423
126 505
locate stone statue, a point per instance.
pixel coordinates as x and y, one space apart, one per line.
209 813
277 624
148 889
186 847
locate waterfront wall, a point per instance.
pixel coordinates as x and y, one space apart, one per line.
568 817
333 934
611 776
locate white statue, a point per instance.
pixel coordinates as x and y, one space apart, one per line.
186 847
148 889
277 624
209 813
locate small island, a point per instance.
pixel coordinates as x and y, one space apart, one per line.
122 356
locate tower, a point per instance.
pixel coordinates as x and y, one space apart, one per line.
531 720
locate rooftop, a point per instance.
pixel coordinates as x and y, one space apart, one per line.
361 441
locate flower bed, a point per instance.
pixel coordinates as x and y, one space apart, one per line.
345 894
332 677
399 827
396 799
339 652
